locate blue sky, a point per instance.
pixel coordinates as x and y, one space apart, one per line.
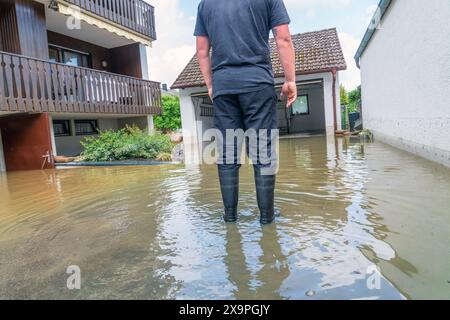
347 16
176 19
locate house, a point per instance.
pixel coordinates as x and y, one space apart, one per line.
405 73
69 68
319 58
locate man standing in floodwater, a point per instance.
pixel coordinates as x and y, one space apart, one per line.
240 82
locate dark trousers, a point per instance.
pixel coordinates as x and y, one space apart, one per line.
248 111
254 111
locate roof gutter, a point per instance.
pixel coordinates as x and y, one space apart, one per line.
373 26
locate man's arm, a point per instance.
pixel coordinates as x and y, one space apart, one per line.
287 56
204 59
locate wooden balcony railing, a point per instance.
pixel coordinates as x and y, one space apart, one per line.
136 15
32 85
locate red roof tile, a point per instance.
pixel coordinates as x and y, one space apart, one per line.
318 51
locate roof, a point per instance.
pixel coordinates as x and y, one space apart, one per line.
374 23
318 51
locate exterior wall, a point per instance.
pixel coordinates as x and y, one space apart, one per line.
315 120
98 54
134 65
9 34
32 28
145 72
190 125
23 29
2 155
144 62
144 122
126 60
406 88
327 97
71 146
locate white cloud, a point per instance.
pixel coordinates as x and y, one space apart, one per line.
302 4
350 78
311 13
175 44
370 12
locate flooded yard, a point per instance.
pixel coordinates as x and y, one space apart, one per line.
156 232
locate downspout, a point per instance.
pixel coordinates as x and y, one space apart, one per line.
334 73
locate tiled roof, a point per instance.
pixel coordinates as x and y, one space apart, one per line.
318 51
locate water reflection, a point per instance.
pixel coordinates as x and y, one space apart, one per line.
259 278
156 232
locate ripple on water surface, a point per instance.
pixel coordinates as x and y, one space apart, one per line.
156 232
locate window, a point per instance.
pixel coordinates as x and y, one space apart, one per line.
301 106
61 128
86 127
75 59
53 54
69 57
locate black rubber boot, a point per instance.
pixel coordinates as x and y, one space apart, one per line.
229 185
265 191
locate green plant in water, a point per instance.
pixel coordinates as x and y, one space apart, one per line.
125 144
366 135
164 157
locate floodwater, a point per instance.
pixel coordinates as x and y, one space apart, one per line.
346 210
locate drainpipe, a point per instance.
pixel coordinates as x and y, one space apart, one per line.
334 73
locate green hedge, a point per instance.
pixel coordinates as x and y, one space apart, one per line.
170 120
125 144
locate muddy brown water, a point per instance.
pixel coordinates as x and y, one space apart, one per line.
156 233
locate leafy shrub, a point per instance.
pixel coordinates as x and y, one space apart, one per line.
170 120
125 144
354 100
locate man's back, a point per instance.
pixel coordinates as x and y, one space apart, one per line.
240 82
239 34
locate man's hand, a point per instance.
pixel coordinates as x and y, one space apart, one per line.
210 93
287 57
289 90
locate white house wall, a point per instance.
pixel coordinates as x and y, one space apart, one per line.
189 123
406 79
149 120
327 95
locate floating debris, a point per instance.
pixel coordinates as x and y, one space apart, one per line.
366 135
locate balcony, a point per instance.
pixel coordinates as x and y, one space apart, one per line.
135 15
33 85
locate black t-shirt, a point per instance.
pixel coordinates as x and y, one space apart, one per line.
239 34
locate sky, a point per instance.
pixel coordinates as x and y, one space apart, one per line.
175 21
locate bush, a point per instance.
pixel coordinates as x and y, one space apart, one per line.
125 144
354 100
170 120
